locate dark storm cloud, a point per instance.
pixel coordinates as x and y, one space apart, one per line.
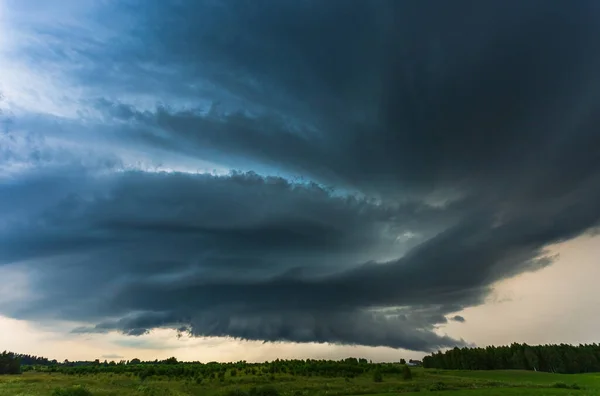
383 96
164 251
234 255
460 138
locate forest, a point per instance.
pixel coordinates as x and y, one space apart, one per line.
563 358
10 363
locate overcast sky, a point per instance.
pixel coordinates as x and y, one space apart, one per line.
342 178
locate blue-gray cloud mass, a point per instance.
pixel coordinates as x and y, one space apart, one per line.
352 172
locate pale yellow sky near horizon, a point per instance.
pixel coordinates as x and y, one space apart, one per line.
554 305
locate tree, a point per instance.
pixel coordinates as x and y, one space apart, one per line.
171 360
566 359
10 363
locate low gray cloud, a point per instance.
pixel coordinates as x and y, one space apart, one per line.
390 170
112 356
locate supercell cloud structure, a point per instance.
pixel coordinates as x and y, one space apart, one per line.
352 172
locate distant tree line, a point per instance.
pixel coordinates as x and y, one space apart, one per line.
30 360
9 363
563 358
199 372
549 358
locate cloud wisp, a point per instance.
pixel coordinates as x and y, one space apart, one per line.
380 164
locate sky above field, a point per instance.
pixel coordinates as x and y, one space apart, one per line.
336 178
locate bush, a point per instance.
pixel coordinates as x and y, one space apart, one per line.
76 390
438 386
146 390
377 377
255 391
562 385
263 391
236 392
406 373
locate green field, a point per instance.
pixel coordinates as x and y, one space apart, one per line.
455 383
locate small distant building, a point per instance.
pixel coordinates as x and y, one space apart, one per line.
414 363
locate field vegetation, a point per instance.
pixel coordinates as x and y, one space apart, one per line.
43 377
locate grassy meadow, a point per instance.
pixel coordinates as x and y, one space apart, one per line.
450 382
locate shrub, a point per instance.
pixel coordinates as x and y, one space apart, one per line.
263 391
377 377
255 391
235 392
146 390
562 385
406 373
76 390
438 386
